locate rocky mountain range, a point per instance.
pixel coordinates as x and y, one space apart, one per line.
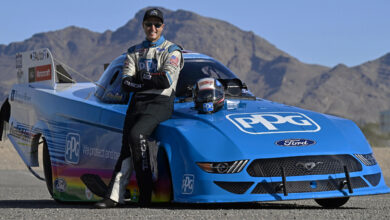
359 93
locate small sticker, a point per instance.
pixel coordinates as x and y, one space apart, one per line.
88 193
60 185
174 60
187 186
208 107
19 61
72 148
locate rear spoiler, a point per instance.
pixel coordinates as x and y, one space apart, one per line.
37 68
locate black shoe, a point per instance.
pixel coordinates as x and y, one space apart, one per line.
105 203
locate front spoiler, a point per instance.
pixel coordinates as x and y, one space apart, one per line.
280 196
224 190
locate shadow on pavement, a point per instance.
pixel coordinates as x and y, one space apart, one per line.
41 204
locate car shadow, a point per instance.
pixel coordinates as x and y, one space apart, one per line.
42 204
243 206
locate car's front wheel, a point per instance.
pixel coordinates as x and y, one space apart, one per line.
332 202
163 186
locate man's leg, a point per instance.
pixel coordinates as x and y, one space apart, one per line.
122 170
139 134
119 180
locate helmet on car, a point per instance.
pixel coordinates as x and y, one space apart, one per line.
208 95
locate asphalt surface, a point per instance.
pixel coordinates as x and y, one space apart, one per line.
22 196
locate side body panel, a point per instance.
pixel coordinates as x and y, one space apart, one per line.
83 137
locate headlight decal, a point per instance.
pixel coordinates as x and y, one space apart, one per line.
367 159
237 166
223 167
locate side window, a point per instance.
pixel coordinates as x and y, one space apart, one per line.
114 77
109 89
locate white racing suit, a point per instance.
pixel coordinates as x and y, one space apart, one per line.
151 71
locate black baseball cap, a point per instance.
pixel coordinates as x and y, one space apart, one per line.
154 12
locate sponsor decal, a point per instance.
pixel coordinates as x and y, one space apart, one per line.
31 74
273 122
147 76
72 149
21 132
100 153
141 51
187 186
154 13
60 185
174 60
88 194
19 74
115 96
159 49
43 73
149 64
144 154
127 62
207 83
21 98
295 142
39 73
19 61
39 55
308 165
208 107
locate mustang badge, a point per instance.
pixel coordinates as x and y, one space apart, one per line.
308 165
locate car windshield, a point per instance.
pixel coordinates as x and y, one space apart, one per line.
195 69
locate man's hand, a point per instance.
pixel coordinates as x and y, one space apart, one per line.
149 80
129 85
143 75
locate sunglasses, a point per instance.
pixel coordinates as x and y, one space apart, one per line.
150 24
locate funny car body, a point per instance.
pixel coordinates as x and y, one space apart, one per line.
250 150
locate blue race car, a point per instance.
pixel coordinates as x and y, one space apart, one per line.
247 150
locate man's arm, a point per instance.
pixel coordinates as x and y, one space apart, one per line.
129 83
169 73
129 64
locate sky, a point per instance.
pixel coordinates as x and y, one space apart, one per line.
325 32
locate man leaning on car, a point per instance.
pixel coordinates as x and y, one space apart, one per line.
151 70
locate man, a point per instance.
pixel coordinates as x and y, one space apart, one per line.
151 71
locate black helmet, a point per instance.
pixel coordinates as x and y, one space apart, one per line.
208 95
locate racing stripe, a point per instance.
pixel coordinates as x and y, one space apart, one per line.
169 77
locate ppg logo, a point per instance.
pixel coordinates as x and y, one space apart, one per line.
72 150
187 186
148 64
273 122
208 107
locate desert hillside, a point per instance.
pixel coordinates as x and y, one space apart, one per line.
359 93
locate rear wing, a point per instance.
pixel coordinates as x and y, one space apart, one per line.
37 68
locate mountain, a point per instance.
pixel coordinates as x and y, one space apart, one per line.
358 93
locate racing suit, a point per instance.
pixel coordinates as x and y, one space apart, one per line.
151 71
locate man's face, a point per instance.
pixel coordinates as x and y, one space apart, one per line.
151 31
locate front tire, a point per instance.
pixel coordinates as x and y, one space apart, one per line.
163 187
332 202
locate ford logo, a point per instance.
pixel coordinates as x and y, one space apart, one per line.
295 142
